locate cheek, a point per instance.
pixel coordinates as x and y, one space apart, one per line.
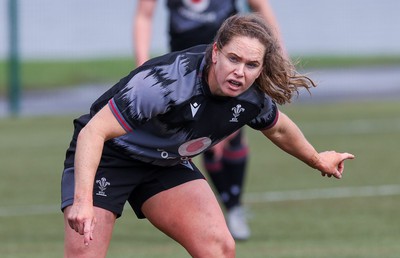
255 75
252 76
220 71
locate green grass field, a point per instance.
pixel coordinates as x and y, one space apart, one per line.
363 223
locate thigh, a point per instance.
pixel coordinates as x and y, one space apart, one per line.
190 214
73 242
159 179
112 185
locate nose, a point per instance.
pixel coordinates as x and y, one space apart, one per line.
239 69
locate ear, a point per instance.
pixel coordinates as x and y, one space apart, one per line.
214 53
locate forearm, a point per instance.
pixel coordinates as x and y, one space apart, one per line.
143 24
142 42
297 145
87 158
288 137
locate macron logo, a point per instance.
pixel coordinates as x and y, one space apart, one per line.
194 107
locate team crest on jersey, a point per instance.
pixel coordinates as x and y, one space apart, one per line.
236 112
197 6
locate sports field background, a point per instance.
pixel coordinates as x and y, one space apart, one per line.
294 211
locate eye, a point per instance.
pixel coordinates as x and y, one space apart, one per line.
233 59
252 65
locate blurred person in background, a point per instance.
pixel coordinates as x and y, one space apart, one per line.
193 23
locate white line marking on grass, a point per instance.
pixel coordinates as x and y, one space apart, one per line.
278 196
23 210
312 194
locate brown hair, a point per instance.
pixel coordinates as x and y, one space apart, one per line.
279 78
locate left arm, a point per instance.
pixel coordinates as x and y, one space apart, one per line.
264 8
287 136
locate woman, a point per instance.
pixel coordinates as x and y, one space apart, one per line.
192 23
137 142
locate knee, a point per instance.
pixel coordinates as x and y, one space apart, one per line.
218 246
228 247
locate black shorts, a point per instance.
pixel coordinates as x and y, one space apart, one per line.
134 182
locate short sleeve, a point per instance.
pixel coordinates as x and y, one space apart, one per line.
267 117
139 101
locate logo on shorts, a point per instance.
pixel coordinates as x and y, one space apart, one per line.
102 184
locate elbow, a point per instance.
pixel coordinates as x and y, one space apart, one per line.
89 135
83 135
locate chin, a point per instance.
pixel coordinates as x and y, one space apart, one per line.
233 93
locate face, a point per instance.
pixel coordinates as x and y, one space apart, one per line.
236 66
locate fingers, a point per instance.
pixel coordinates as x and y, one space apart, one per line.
84 227
75 226
88 231
347 156
341 167
335 174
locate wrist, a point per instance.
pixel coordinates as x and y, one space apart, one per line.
83 199
315 160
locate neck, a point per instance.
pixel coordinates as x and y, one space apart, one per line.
210 78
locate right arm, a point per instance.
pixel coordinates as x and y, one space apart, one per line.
287 136
101 127
143 23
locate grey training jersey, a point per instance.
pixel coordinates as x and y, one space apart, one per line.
170 115
195 22
186 15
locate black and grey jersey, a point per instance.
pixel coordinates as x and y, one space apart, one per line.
170 115
193 23
187 15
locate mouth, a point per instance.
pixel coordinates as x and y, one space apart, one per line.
235 85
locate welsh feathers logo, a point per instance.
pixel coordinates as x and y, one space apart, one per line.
102 184
236 112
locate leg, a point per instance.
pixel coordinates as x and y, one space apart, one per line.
227 175
234 160
215 171
234 167
190 214
73 242
228 172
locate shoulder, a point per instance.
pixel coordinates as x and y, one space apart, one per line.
161 83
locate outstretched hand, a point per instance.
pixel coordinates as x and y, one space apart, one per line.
331 163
